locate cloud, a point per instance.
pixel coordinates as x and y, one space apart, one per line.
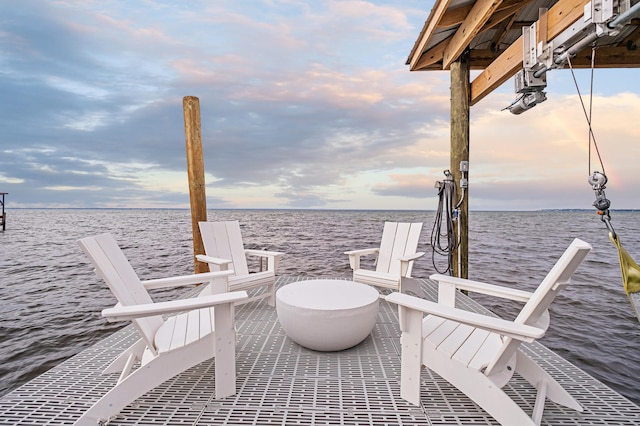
303 104
545 151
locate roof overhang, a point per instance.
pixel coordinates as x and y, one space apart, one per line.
491 31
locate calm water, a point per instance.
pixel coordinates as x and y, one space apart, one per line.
51 300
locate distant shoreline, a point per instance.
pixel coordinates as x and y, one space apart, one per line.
311 209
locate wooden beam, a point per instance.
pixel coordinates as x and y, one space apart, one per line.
500 70
428 30
482 58
478 16
608 57
559 18
479 58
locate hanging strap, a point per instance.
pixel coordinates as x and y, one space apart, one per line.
630 275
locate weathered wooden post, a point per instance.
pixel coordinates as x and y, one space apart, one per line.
460 106
195 171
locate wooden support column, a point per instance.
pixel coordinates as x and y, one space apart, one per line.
195 171
460 105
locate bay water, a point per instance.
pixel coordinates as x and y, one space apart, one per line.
50 299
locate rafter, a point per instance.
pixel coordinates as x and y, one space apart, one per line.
428 30
501 32
433 56
475 20
507 14
455 16
425 60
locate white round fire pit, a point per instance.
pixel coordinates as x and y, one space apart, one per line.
327 315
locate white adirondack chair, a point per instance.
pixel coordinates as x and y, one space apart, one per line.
224 250
478 354
167 346
396 254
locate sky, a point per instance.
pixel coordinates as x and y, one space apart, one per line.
304 104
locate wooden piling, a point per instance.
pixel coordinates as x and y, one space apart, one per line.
460 106
195 171
3 217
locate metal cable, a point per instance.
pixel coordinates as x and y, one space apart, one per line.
587 115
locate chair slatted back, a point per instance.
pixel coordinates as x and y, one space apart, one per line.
557 279
224 240
398 239
534 312
113 267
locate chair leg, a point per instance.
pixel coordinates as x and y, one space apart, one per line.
480 389
271 288
535 374
225 351
411 355
122 363
145 378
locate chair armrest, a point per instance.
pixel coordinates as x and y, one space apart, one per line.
185 280
122 313
405 262
517 331
362 252
410 257
214 260
263 253
479 287
273 257
354 256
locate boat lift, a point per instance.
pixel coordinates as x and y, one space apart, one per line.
601 19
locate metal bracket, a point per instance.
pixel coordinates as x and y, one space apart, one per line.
601 11
537 56
529 55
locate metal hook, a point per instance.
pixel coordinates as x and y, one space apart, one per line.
606 218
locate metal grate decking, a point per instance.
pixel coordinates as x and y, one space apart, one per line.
281 383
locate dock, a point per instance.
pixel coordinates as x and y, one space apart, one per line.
282 383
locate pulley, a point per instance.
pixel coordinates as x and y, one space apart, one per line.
598 182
